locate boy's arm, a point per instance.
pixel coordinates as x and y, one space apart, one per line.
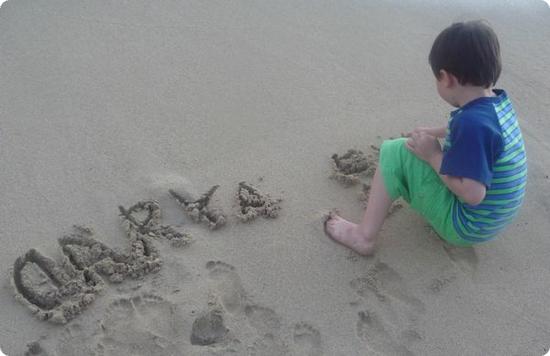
468 190
439 132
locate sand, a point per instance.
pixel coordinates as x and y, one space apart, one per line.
115 104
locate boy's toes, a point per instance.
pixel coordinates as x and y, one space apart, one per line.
331 220
326 218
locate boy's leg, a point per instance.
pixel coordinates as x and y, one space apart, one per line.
361 237
399 174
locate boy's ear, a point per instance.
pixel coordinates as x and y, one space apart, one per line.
448 80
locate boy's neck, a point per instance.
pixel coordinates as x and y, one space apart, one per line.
466 93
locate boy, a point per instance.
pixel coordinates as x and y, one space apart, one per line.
470 189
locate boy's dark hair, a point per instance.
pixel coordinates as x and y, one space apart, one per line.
468 50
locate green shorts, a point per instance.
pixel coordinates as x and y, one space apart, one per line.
407 176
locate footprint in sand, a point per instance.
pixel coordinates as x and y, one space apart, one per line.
143 325
371 330
465 258
254 203
268 345
33 349
228 285
208 328
307 340
199 210
230 294
386 284
73 341
233 299
268 327
438 284
263 319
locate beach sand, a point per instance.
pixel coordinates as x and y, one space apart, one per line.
107 104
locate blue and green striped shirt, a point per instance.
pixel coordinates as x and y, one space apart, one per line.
484 143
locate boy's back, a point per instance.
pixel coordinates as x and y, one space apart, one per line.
484 143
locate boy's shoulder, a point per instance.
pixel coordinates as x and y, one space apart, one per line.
484 112
486 103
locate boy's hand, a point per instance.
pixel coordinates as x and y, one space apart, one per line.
440 132
424 146
417 131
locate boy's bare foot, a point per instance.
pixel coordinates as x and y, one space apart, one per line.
348 234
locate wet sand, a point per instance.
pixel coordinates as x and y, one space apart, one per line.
108 109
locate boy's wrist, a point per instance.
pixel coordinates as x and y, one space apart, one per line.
435 160
441 132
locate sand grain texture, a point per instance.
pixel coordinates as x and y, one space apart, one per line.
114 104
